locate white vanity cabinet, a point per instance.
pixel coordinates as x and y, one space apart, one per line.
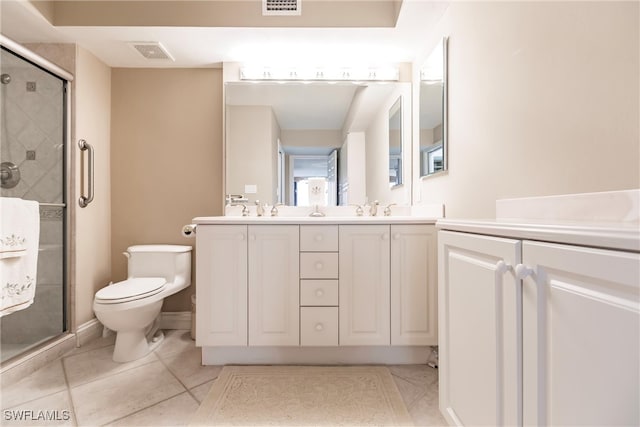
364 285
537 333
273 285
414 278
221 286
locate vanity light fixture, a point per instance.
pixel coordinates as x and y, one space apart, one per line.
319 74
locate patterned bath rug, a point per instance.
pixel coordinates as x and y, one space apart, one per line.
303 396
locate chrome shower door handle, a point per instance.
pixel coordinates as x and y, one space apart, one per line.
85 200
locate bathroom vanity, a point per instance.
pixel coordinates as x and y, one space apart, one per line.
539 313
316 290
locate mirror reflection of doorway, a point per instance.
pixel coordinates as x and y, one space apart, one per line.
302 168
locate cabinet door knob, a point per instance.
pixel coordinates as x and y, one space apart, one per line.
252 237
522 271
240 236
319 266
318 237
396 236
384 236
319 292
319 327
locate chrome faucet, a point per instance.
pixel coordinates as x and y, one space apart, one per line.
245 209
373 208
387 210
359 211
259 208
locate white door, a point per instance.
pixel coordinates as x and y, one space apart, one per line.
273 285
414 283
581 333
364 285
221 285
479 328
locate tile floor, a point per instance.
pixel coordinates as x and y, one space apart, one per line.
86 388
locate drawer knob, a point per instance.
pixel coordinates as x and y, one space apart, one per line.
318 237
384 236
252 237
319 327
240 236
319 266
396 236
319 293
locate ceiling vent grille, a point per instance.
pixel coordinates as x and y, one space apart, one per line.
281 7
151 50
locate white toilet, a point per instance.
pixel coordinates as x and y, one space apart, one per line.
131 308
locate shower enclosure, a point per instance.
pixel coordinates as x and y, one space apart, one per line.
33 115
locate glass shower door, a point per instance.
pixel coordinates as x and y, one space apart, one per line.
33 121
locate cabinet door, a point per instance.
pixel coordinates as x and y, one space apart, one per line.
221 285
581 330
414 305
479 329
364 285
273 285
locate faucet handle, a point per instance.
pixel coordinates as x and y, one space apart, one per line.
274 209
359 211
373 208
387 209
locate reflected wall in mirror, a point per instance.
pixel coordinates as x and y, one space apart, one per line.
395 144
281 137
433 112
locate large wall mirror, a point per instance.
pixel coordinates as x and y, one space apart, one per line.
433 112
280 137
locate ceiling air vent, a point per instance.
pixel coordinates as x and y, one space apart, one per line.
151 50
281 7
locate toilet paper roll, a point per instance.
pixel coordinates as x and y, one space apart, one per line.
189 230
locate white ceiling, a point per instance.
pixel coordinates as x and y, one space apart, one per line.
209 47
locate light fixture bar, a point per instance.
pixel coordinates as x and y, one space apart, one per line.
319 74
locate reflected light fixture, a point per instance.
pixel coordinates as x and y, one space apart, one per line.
319 74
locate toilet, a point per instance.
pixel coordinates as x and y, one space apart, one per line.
131 308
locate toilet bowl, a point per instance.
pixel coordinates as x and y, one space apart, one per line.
131 308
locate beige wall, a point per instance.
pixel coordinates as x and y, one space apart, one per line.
543 100
92 114
166 151
251 151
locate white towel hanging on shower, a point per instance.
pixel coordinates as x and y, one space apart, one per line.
19 240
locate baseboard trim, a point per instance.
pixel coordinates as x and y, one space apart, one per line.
88 331
175 320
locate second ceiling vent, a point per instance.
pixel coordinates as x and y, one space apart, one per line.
281 7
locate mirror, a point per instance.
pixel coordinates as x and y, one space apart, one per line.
286 140
433 112
395 144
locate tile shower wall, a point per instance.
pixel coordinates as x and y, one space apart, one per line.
32 135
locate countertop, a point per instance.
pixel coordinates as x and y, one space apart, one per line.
307 220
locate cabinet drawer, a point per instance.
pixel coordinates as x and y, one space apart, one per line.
319 238
318 326
319 265
319 292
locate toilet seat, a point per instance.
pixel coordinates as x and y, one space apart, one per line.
130 290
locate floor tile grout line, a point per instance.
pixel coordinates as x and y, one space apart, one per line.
79 350
111 374
142 409
73 406
178 379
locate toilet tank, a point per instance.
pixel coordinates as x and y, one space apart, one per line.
173 262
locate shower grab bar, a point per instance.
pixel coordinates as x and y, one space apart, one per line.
84 201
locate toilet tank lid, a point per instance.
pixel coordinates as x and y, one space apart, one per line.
159 248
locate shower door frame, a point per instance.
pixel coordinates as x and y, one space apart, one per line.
68 276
